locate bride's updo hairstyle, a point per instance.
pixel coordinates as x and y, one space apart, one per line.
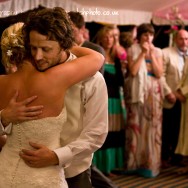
12 45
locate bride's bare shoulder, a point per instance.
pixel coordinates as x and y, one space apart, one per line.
3 77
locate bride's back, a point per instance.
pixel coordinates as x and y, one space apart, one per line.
28 82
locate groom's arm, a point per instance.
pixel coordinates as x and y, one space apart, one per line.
94 126
16 112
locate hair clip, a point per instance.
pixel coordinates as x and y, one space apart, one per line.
9 53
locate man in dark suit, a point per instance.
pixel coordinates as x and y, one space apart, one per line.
79 30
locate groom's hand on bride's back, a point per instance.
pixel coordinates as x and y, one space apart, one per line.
39 157
19 111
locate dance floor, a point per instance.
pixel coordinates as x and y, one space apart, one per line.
168 178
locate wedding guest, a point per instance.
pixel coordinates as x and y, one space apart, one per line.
173 68
86 34
126 40
182 90
118 49
78 24
144 105
111 155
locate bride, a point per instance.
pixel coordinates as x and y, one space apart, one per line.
50 87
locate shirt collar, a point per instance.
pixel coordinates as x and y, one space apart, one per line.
182 53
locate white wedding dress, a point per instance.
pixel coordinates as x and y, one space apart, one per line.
14 173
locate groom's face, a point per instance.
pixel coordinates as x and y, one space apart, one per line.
46 53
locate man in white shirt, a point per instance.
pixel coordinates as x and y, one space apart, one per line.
78 25
99 180
84 132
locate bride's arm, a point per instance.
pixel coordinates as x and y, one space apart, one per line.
82 51
76 70
88 63
79 51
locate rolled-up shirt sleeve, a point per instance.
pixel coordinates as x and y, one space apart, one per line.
95 122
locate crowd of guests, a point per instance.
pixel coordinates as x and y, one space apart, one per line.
148 132
145 102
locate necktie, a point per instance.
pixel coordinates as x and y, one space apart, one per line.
185 59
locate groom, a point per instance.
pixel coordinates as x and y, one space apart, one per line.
86 127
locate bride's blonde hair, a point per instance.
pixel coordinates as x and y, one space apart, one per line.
12 45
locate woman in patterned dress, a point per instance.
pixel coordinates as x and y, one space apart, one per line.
144 105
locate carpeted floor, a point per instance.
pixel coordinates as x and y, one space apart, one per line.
168 178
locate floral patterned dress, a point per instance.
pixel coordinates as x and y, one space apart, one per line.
143 130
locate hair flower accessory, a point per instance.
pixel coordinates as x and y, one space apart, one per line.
9 53
13 34
15 41
12 45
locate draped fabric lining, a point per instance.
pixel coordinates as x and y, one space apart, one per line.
90 13
118 12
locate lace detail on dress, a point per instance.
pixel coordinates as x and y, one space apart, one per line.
14 172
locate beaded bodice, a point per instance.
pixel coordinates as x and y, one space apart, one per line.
14 172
